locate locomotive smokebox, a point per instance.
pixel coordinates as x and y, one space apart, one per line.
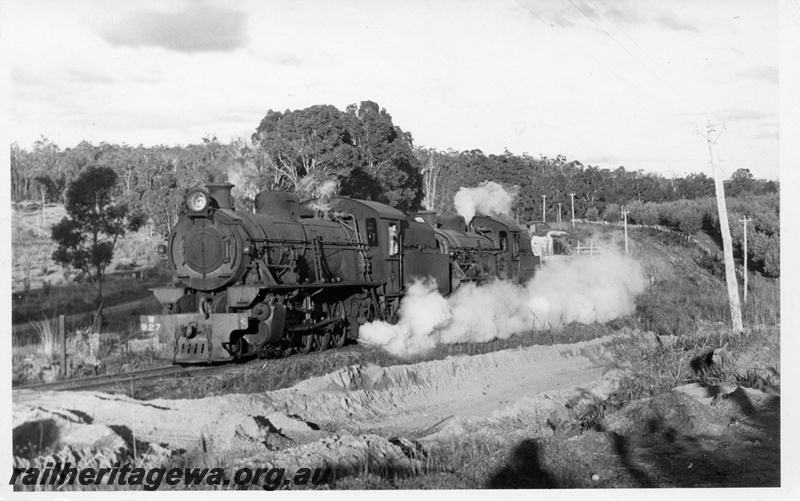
221 192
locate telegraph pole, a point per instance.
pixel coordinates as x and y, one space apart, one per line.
559 213
625 217
744 221
727 245
544 214
572 195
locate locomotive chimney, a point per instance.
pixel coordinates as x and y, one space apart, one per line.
221 192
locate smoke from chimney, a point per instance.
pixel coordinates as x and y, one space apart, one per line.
489 199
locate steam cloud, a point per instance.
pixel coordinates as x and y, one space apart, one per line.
237 177
489 199
583 289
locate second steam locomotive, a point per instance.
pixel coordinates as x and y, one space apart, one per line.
291 277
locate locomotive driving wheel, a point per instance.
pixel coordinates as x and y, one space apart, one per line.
306 343
338 330
321 341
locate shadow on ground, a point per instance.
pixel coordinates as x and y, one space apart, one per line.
671 440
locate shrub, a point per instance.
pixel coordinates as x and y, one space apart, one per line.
592 214
665 214
611 213
649 214
689 220
634 211
758 244
772 257
713 264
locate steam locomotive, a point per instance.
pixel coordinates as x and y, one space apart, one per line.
304 276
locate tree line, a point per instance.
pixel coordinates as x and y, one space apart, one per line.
364 154
597 192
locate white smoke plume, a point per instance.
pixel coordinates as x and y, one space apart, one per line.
237 177
582 289
489 199
328 189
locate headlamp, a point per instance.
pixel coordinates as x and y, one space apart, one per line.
197 200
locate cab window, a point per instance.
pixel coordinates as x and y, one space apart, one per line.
515 246
503 241
372 232
394 244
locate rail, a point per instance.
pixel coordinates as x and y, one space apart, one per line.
129 378
94 382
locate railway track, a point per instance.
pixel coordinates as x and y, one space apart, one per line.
123 378
168 371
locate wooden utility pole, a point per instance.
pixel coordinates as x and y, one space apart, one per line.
572 195
625 224
744 221
559 213
544 213
727 245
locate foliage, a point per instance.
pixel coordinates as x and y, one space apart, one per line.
690 216
86 237
388 163
688 220
772 258
695 186
307 142
360 148
646 214
611 214
433 168
741 183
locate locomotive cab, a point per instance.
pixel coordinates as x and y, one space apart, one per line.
399 250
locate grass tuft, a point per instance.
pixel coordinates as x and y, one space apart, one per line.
47 338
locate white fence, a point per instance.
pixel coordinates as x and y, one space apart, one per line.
591 249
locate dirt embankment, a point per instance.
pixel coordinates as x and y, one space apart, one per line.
407 399
382 416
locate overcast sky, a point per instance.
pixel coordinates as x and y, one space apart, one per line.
606 82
